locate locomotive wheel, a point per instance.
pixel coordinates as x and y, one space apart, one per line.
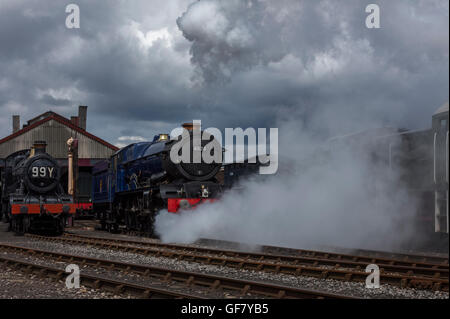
151 227
60 227
7 218
17 226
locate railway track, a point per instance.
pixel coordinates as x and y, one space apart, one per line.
278 250
85 224
401 273
236 287
277 253
96 282
364 253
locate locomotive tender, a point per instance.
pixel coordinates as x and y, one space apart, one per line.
417 161
141 179
32 196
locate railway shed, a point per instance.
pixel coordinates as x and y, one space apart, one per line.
55 130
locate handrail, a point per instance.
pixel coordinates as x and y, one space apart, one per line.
434 157
446 155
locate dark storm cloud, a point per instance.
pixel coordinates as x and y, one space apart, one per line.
104 64
145 66
50 100
322 62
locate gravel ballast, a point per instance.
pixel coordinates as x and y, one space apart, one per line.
332 286
16 284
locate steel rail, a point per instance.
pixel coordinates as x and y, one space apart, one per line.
400 257
310 257
333 270
361 253
97 282
289 263
189 278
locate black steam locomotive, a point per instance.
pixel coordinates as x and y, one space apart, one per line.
140 179
32 197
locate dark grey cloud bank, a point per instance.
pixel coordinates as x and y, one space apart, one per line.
145 66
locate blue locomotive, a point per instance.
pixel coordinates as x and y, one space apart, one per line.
140 179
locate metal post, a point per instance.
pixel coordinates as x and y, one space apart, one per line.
72 157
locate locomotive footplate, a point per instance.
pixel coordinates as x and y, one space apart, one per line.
34 209
190 190
188 195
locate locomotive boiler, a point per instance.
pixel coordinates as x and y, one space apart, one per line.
33 198
141 179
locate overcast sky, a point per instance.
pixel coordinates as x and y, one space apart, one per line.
144 67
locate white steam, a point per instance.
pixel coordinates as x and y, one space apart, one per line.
337 75
317 198
230 35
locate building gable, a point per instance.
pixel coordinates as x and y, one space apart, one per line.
56 130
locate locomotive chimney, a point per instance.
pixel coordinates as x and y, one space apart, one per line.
39 147
74 120
188 126
82 116
16 123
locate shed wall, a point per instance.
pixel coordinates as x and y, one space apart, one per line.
56 134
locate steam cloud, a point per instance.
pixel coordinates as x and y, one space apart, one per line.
315 199
228 36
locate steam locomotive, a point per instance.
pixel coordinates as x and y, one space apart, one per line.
417 161
32 197
141 179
